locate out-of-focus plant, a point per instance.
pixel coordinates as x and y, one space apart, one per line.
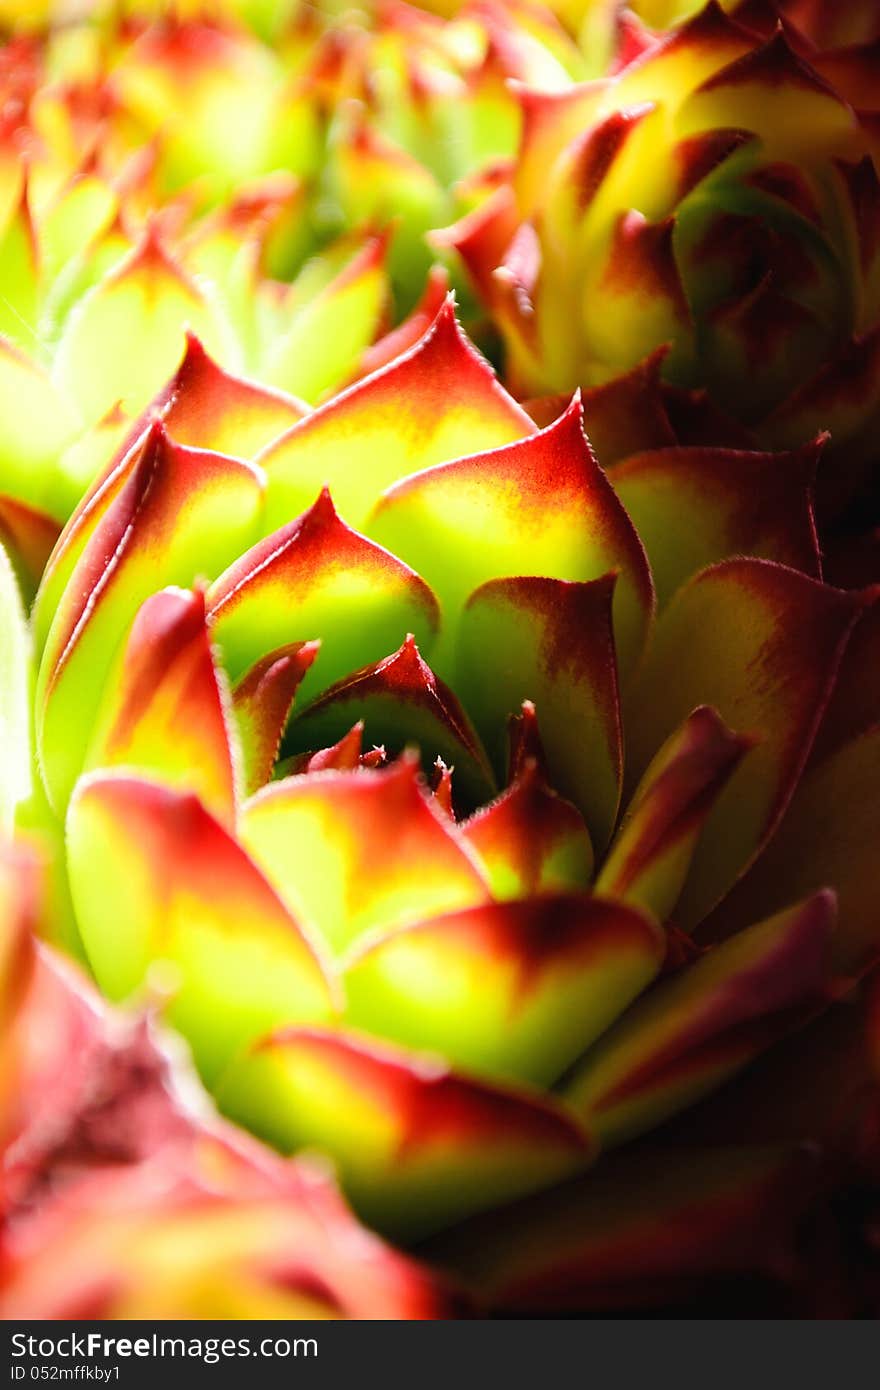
124 1197
717 201
174 169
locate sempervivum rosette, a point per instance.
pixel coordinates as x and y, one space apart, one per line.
469 994
610 32
716 199
123 1197
825 22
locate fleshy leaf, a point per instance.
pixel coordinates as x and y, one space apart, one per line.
513 990
344 755
701 1026
646 1229
89 459
840 397
407 334
261 704
627 415
37 424
19 918
86 518
550 121
28 537
377 182
524 742
167 515
549 641
828 833
416 1146
529 840
693 507
437 402
441 786
761 644
164 894
653 848
126 335
399 700
481 239
541 506
163 711
775 81
205 407
19 277
353 852
837 1051
15 740
326 336
78 216
316 579
19 897
642 287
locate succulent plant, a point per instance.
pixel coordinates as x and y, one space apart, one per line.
480 784
715 200
465 994
602 24
123 1197
279 212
